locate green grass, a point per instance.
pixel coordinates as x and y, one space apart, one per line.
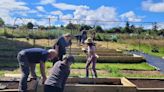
112 68
120 66
147 49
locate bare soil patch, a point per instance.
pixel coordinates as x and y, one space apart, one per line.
148 83
146 73
12 83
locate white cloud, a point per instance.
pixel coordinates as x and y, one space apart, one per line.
56 13
64 6
44 2
40 9
131 16
65 18
84 12
149 5
13 5
7 7
102 13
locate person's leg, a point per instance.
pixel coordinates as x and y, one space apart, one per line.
32 70
94 60
87 66
24 67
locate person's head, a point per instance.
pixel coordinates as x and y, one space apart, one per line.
52 53
67 36
68 59
89 41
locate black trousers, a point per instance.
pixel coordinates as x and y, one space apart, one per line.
48 88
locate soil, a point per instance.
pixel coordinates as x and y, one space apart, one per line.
148 83
83 71
11 83
103 83
148 73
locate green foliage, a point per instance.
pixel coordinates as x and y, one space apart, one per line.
85 27
30 25
71 26
1 22
99 29
51 34
119 66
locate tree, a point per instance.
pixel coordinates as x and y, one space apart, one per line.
99 29
86 27
127 29
30 25
71 26
155 27
1 22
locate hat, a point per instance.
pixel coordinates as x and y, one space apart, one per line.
67 35
69 58
89 40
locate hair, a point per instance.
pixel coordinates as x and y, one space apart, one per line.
67 35
52 51
68 58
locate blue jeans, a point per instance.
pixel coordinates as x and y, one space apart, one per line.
24 66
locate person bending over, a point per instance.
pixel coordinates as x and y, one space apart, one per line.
28 58
59 74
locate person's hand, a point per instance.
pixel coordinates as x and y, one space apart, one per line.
43 79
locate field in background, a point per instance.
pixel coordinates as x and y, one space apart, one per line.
10 46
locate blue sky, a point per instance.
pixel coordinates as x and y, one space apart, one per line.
106 10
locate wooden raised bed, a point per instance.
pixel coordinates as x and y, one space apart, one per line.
103 54
11 85
148 85
97 85
97 51
113 59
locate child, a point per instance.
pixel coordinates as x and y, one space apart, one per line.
91 57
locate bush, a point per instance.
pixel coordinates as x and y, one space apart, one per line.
33 34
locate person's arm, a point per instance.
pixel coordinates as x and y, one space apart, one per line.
42 70
57 48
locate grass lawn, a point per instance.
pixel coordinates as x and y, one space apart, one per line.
145 47
111 70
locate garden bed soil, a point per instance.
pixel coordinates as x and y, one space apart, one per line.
148 83
13 83
142 72
94 81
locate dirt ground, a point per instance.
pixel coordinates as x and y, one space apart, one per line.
148 73
81 72
148 83
10 83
